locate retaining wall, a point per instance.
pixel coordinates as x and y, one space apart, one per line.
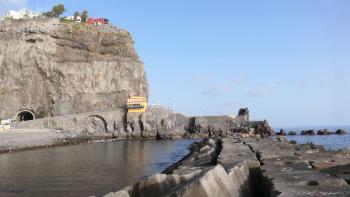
99 123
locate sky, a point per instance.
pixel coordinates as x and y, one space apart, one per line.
287 61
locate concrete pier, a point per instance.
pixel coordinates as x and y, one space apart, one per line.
250 167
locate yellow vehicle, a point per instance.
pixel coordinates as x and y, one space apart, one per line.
136 104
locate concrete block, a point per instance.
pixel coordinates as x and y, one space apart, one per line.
215 182
121 193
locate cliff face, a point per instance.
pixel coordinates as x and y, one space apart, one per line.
58 68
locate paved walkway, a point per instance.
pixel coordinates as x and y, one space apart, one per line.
28 138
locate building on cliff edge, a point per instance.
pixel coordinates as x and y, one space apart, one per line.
21 14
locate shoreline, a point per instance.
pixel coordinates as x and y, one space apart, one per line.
65 140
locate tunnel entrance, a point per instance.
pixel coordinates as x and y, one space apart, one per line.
24 115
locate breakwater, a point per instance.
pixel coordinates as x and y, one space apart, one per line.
250 167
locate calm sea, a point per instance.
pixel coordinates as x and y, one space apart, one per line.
333 142
86 169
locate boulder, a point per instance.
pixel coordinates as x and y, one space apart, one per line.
282 139
340 132
324 132
262 128
157 185
157 122
121 193
281 133
308 132
214 182
292 133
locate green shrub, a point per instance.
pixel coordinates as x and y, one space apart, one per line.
63 20
292 142
42 113
8 18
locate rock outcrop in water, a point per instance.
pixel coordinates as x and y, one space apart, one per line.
324 132
57 68
340 132
281 133
308 132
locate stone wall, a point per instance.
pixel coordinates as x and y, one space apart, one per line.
216 124
156 122
101 123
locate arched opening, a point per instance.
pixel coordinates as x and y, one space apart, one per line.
24 115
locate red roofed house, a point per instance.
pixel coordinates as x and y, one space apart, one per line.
97 21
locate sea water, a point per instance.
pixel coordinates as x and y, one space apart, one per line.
86 169
332 142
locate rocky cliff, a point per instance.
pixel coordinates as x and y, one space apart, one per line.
63 68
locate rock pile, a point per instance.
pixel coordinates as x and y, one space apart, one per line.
262 128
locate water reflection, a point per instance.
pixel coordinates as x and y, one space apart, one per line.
87 169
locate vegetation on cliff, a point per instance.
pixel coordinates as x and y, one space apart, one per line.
56 11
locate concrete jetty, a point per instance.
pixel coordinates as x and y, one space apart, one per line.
242 167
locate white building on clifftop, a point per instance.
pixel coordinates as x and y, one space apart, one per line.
21 14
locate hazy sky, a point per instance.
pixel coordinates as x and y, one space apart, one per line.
288 61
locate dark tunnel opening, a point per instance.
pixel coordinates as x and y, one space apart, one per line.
25 116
